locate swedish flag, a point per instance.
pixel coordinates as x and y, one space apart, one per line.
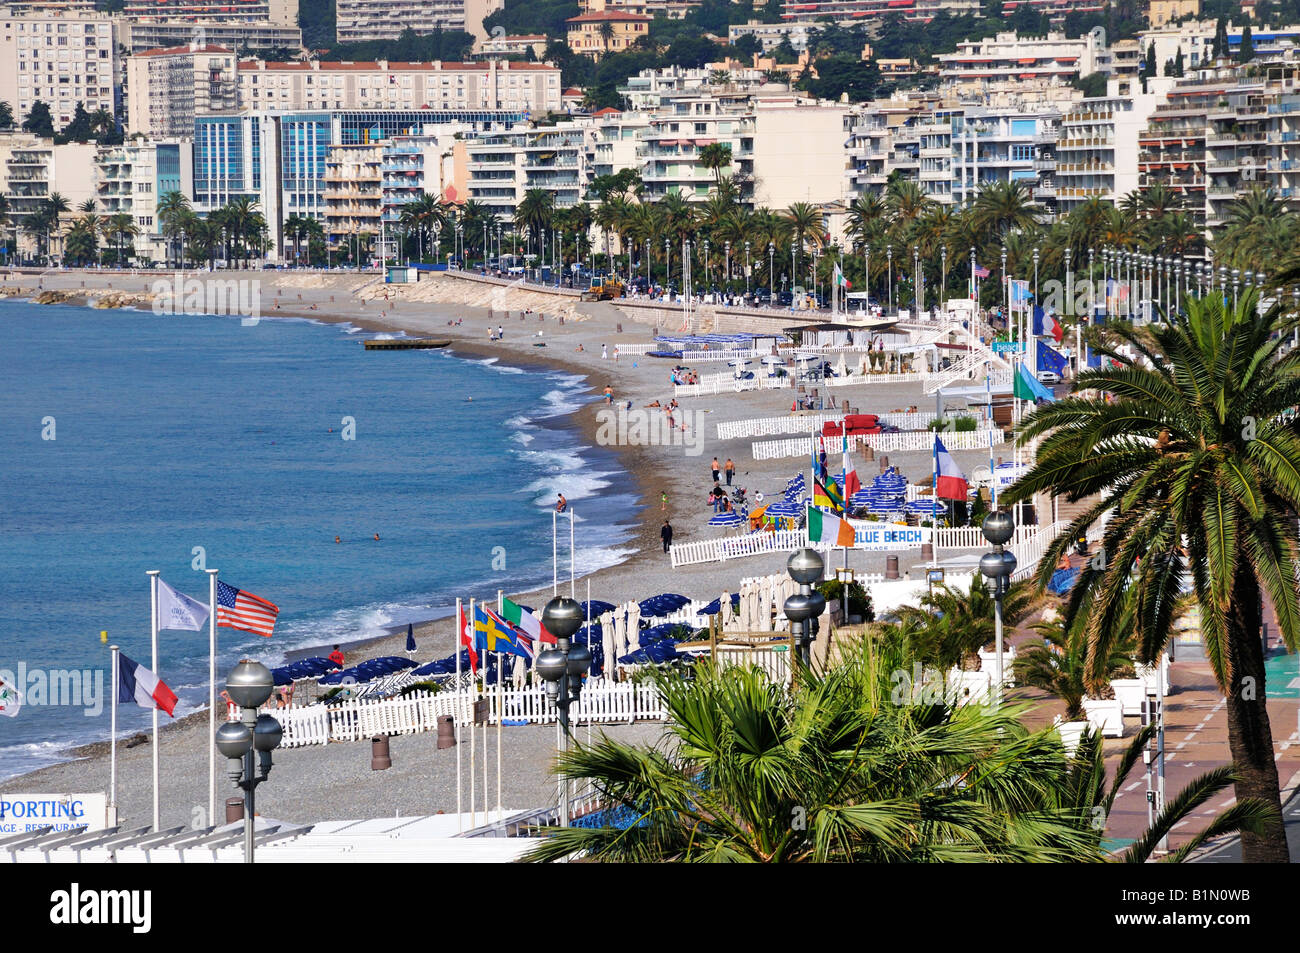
494 634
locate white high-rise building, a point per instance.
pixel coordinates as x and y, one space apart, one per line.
59 59
166 89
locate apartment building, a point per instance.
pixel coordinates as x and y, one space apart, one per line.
132 178
1055 58
279 157
845 12
431 163
282 12
1097 147
167 88
1055 10
1172 146
60 59
527 89
503 166
147 33
360 21
870 145
613 144
772 35
520 44
966 149
609 31
1163 12
31 170
353 196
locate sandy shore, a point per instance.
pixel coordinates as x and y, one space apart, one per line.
426 310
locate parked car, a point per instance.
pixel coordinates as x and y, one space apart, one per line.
1049 377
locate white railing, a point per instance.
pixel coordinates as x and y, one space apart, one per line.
729 384
722 354
357 719
884 443
851 380
635 350
722 548
813 423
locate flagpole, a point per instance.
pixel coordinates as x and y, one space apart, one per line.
487 818
473 733
153 633
500 709
573 556
456 642
555 555
112 740
212 696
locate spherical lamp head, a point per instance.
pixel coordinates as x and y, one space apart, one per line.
249 684
562 617
805 566
234 739
798 608
267 733
999 528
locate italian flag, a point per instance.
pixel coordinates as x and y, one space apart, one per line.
840 279
825 528
526 622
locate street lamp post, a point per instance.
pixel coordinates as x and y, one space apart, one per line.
668 263
771 272
998 567
746 272
866 275
1006 285
249 685
1036 306
805 607
562 669
916 282
889 254
726 268
943 276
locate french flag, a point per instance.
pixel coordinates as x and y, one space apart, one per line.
951 483
135 683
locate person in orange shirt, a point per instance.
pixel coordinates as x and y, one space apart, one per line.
337 656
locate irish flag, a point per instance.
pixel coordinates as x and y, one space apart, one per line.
526 622
951 482
825 528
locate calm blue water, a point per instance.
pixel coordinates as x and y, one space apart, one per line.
179 432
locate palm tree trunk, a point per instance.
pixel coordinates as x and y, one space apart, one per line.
1250 737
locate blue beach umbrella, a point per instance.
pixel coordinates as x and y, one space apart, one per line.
726 519
410 637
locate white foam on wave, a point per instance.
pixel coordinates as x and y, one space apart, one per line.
23 758
521 438
575 486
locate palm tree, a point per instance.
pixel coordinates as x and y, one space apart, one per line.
80 244
1258 228
55 206
716 156
120 225
5 222
1189 438
1001 208
804 220
1089 800
840 768
173 211
535 213
950 627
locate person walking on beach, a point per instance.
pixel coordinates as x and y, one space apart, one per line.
501 332
337 656
604 352
731 470
666 534
663 502
609 395
716 469
561 504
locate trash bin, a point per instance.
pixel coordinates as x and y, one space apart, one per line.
380 758
446 732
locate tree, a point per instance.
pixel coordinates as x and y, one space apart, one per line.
1219 47
1178 64
39 121
849 765
6 115
1190 443
1246 52
120 226
716 157
173 212
535 214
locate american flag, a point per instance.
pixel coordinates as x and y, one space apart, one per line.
237 609
981 271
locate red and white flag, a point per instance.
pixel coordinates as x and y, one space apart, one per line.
466 631
951 482
237 609
851 482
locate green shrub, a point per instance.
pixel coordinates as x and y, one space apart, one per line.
859 599
431 687
954 425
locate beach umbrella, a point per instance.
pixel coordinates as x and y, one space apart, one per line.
520 673
765 605
841 370
785 509
410 638
727 519
607 639
633 626
620 631
725 601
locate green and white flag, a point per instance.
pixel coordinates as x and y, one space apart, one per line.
11 699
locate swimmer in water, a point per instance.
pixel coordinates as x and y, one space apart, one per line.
337 540
376 537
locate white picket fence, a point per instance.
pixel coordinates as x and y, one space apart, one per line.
884 443
636 350
725 354
358 719
813 423
727 384
723 548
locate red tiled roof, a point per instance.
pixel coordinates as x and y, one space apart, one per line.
326 66
609 15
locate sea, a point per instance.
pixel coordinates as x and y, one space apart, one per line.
131 442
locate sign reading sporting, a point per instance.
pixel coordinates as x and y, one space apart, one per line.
20 813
